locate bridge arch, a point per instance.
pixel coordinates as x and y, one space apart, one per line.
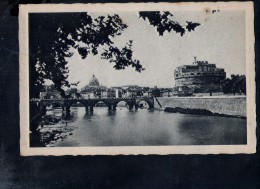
43 106
70 102
50 103
149 101
76 101
57 104
123 100
101 100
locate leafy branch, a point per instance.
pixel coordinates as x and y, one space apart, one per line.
163 21
122 58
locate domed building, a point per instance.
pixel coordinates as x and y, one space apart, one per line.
93 89
93 82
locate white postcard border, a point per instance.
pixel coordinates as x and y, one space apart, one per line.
25 148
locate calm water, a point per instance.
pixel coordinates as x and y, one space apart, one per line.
144 127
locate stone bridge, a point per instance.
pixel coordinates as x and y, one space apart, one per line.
89 104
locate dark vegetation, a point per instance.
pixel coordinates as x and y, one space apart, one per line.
235 84
163 22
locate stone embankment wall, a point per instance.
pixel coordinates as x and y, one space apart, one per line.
235 106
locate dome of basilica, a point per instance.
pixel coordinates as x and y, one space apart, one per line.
93 85
93 82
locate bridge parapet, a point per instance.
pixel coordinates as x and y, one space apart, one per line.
111 103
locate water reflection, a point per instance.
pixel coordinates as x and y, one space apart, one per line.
149 127
111 113
88 114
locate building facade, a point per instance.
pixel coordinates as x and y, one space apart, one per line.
201 76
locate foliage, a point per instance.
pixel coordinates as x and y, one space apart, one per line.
122 58
53 38
162 21
235 84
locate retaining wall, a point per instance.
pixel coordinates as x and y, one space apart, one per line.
224 105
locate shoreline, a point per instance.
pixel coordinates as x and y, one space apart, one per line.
194 111
213 106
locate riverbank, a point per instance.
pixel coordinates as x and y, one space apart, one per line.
51 129
197 112
234 106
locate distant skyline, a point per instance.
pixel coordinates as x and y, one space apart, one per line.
220 39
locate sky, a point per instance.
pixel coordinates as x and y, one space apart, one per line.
220 39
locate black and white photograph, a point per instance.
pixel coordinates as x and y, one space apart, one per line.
149 78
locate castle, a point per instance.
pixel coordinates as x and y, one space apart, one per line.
200 77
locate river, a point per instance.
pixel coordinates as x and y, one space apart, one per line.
146 127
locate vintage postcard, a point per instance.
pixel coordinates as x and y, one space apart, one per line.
137 78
